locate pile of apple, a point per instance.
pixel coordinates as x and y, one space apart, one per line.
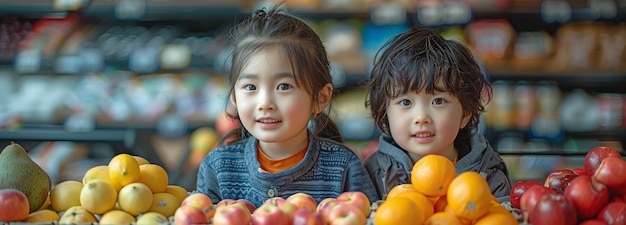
349 208
592 195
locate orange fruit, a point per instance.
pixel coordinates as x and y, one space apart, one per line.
124 169
440 204
469 196
399 189
424 205
443 218
154 176
432 174
398 211
496 218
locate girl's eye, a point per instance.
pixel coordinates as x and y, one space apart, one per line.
439 101
404 102
249 87
283 87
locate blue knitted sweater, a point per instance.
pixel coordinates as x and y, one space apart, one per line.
328 169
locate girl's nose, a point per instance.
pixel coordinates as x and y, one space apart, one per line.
266 102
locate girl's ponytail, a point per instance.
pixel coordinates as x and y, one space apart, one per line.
323 126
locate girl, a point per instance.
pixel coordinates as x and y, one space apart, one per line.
426 97
285 144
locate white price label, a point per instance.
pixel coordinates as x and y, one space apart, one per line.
556 11
603 9
388 13
130 9
431 15
457 13
28 61
144 60
175 56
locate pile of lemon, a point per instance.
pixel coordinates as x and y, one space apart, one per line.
127 190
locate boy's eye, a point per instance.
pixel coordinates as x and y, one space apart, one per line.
283 87
404 102
249 87
439 101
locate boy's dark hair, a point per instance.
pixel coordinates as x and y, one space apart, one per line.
416 60
302 45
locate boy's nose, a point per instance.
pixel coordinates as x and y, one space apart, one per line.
421 118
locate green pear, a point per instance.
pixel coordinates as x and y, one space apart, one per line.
19 171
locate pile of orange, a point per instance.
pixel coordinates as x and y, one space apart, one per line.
437 196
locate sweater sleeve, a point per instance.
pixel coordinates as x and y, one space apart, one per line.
358 179
207 181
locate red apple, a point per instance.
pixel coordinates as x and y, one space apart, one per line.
613 213
530 198
269 214
612 173
247 203
189 215
559 179
307 217
224 202
202 202
324 207
14 205
287 207
588 196
553 209
233 214
357 199
303 200
579 171
518 190
594 157
343 214
592 222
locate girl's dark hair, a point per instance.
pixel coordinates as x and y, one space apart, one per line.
416 60
307 55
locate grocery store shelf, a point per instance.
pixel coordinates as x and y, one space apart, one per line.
126 136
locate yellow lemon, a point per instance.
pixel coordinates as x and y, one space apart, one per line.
65 195
177 191
141 160
43 216
135 198
123 169
154 176
100 172
117 217
151 218
77 215
164 203
98 196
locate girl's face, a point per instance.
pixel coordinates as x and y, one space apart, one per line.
270 104
423 124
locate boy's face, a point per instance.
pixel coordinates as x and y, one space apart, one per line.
424 124
270 104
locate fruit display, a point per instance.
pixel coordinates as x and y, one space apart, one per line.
594 194
131 190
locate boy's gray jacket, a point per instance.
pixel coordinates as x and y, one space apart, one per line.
391 166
